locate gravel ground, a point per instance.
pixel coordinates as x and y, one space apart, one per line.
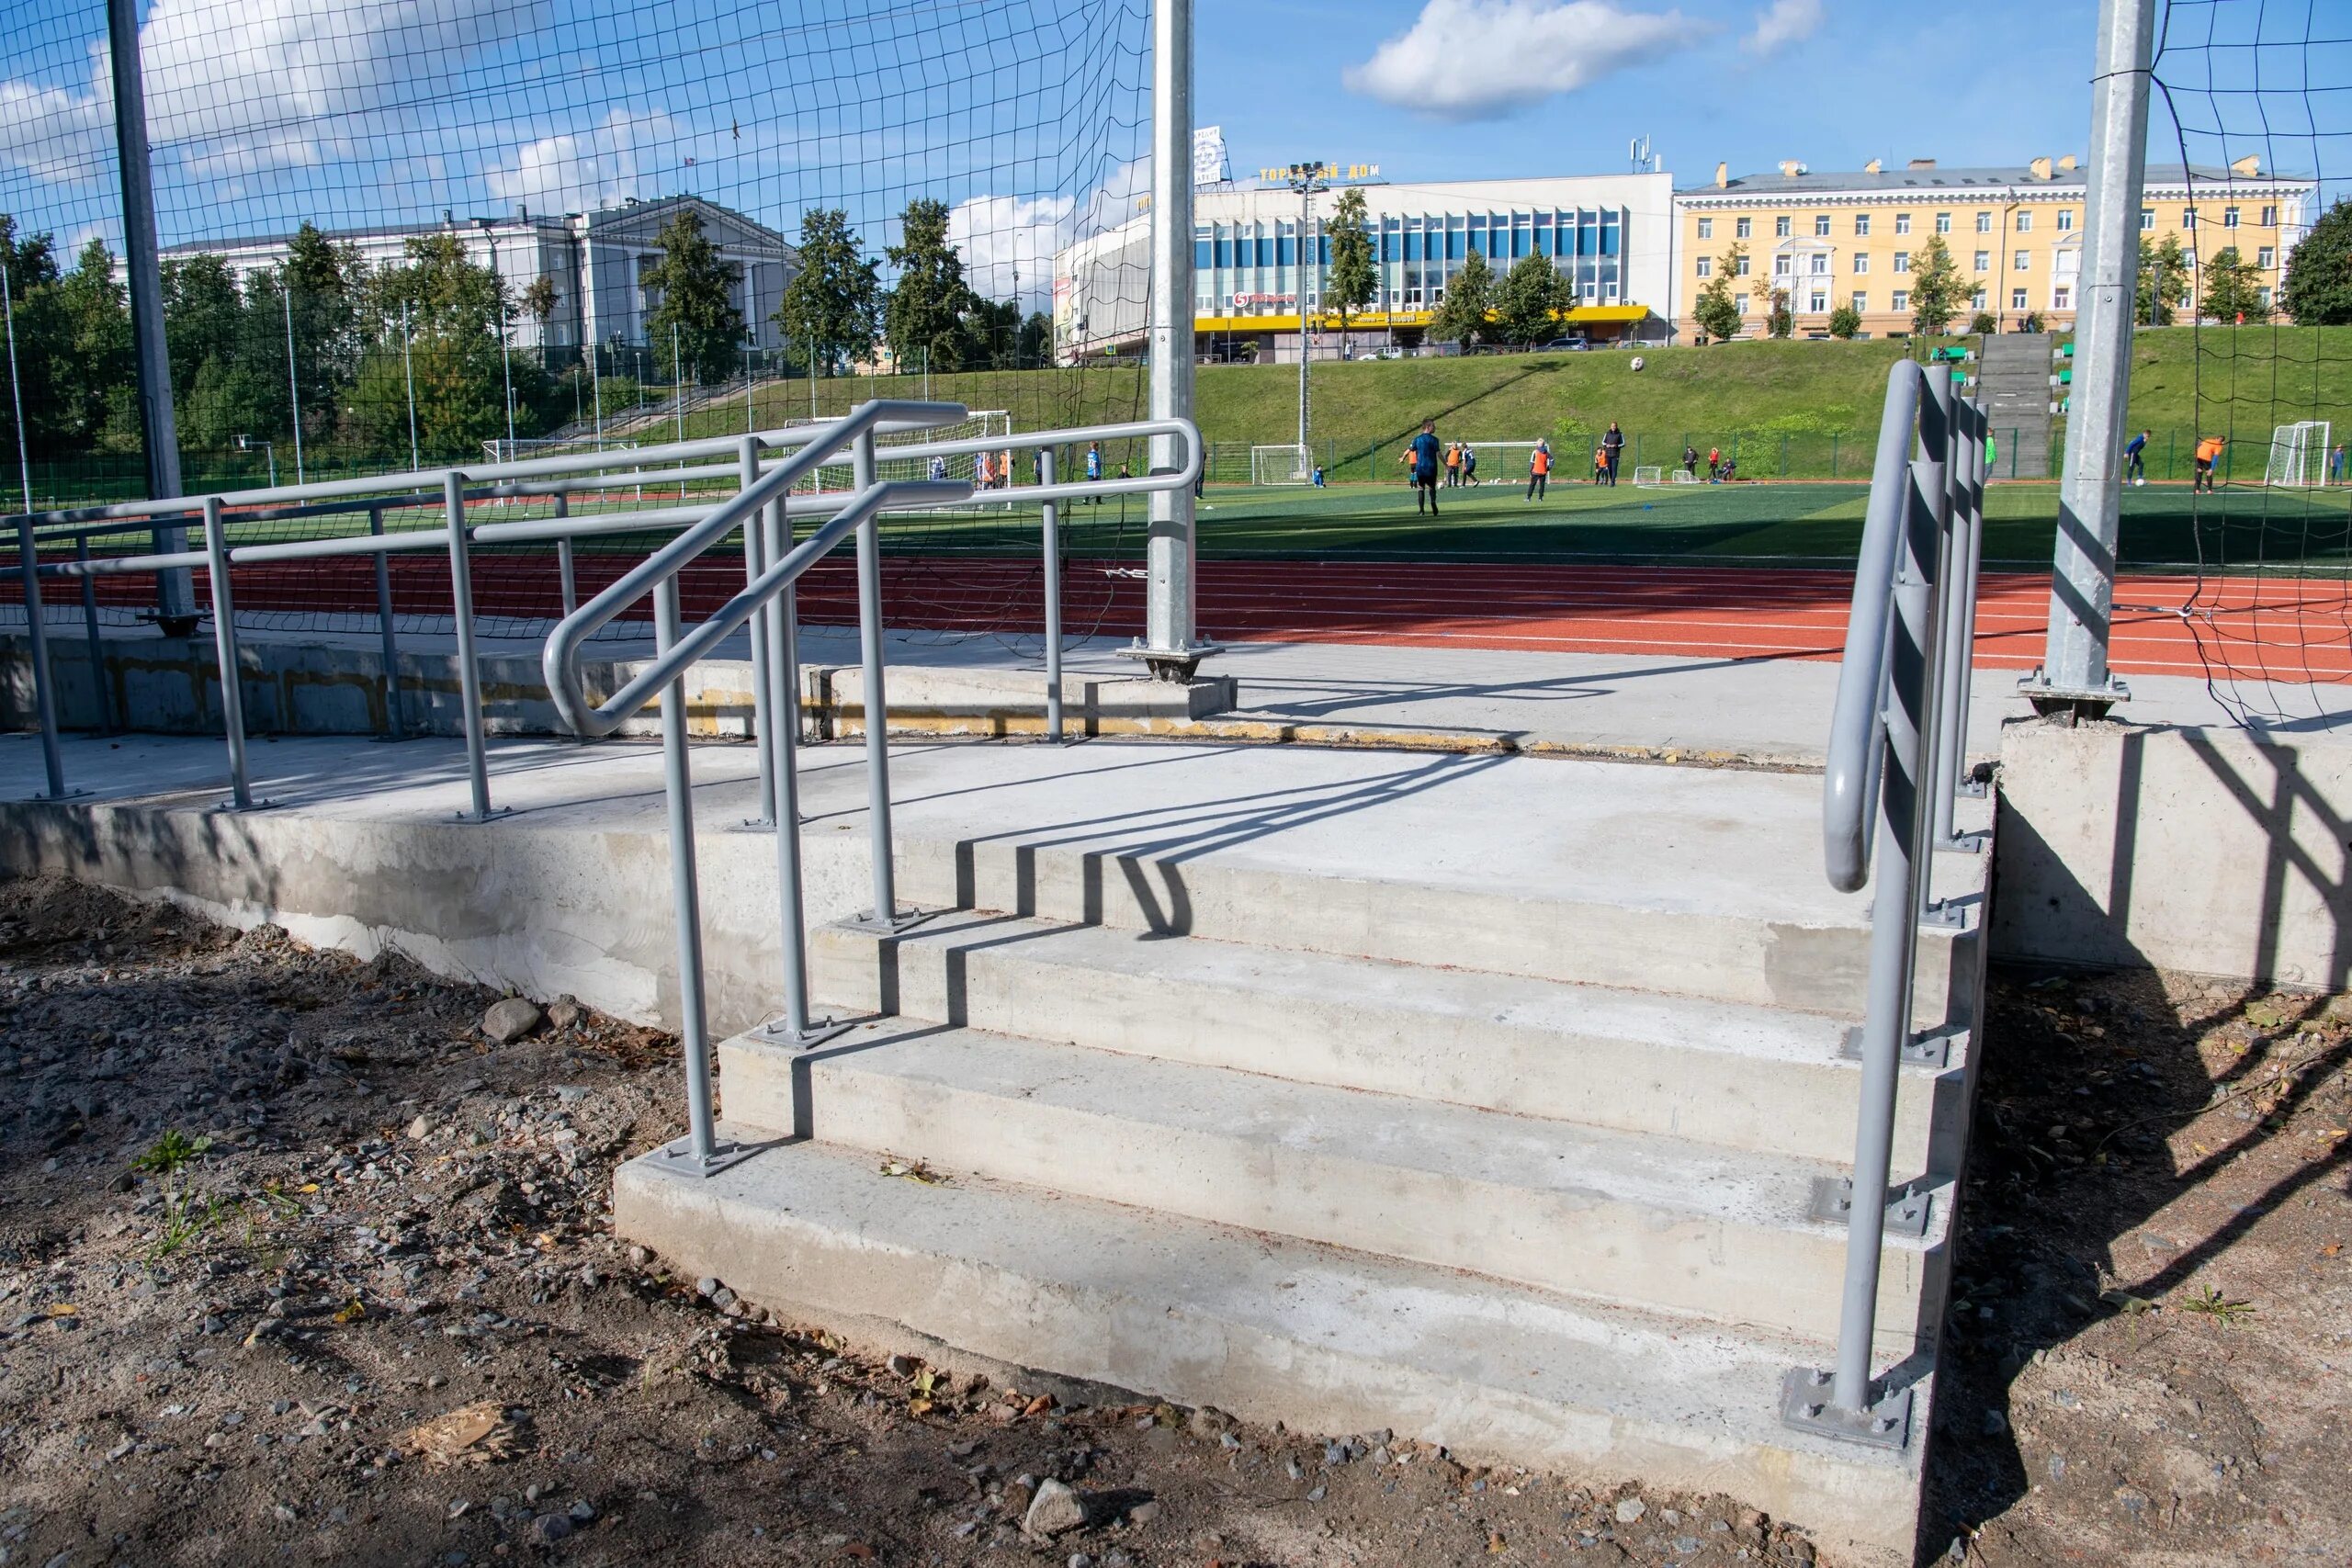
296 1264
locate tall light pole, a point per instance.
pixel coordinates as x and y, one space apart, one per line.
1305 179
293 386
408 370
15 392
505 356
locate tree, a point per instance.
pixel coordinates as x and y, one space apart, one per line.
2318 289
2032 323
1983 322
539 301
1529 303
1782 321
1469 295
433 321
829 312
1716 312
97 391
2232 288
925 315
686 294
1353 281
1936 290
1845 320
991 334
2163 281
323 285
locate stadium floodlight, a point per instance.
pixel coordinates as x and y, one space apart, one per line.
2298 455
1286 464
1305 179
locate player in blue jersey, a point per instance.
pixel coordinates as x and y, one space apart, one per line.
1425 454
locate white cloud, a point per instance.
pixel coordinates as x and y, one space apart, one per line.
569 172
1465 60
1001 236
56 135
1782 23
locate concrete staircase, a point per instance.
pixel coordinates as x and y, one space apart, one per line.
2013 383
1403 1127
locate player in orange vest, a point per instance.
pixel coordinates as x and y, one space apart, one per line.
1539 468
2208 454
1453 465
1600 465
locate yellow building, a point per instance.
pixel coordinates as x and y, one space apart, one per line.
2016 234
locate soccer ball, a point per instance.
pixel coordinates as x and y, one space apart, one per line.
1637 362
2140 482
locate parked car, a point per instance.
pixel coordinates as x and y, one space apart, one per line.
1565 346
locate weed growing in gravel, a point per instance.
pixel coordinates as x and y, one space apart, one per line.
171 1152
2210 1302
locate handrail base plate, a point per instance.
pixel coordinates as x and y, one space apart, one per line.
1805 1405
775 1032
1833 1203
678 1157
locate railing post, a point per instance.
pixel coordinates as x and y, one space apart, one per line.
90 634
1953 625
885 913
37 640
700 1152
461 596
1053 548
224 642
755 561
394 728
567 577
782 737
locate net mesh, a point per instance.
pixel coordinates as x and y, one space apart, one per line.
2249 102
448 231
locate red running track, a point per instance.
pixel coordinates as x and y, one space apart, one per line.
2252 628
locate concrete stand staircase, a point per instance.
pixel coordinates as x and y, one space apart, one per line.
2014 386
1404 1132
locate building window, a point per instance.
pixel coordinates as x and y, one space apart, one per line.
1901 302
1819 302
2061 298
2229 218
1740 300
2025 222
1902 261
1943 223
1820 267
2263 294
1743 228
1862 301
1706 228
1780 228
1821 225
1742 268
2271 218
2067 220
1706 265
2016 299
2266 257
1984 261
1903 223
1976 300
1984 223
2021 261
2188 217
1781 267
1862 225
2147 220
1861 262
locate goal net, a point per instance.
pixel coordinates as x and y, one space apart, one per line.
1649 475
1284 465
2298 455
986 470
1501 462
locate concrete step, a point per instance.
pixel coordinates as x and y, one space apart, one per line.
983 1275
1644 1220
1695 882
1766 1080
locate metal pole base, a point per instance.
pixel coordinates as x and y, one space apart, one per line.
756 825
1174 666
1932 1048
1969 843
230 808
2075 705
679 1157
1944 915
478 817
68 793
1804 1404
1833 1202
901 919
775 1032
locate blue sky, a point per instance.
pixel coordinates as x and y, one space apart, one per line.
1029 118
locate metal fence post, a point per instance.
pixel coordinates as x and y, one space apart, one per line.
885 912
1957 627
700 1152
782 739
566 574
90 633
37 642
755 560
394 728
224 642
1052 549
461 595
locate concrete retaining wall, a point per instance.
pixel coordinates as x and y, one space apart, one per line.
2201 850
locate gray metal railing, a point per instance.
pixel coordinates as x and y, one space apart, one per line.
1896 750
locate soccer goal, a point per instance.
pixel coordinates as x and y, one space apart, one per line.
1684 477
1289 464
1649 475
988 471
2298 455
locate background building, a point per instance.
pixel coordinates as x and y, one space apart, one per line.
594 261
1611 234
1834 238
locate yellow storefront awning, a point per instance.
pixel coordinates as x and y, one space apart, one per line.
1381 321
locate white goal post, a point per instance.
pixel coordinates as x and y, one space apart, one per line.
1504 462
2298 455
1649 475
981 423
1287 464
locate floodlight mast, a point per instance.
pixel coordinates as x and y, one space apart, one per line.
1305 179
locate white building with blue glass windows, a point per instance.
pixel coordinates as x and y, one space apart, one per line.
1611 234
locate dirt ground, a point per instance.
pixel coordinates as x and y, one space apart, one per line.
296 1264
